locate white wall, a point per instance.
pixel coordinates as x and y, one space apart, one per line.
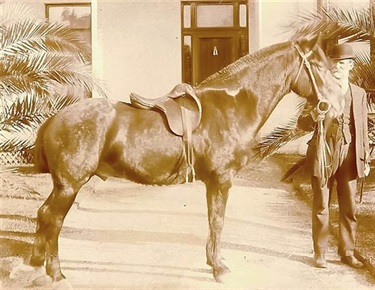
274 15
138 47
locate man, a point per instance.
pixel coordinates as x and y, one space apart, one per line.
347 158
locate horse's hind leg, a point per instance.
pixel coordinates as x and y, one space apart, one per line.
217 196
39 248
49 223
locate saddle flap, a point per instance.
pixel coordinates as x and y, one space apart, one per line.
181 97
173 111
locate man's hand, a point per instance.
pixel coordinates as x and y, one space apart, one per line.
367 169
367 164
316 116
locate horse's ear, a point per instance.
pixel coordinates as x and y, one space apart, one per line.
311 42
319 40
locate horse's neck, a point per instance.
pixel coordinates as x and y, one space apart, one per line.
254 90
269 86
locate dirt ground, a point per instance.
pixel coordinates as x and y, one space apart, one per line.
22 194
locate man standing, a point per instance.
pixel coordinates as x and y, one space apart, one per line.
346 138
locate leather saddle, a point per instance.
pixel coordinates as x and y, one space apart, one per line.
180 106
183 111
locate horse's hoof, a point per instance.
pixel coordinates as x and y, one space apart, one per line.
221 273
27 275
42 281
62 285
22 271
209 263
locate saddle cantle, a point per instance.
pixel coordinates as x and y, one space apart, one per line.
179 106
183 111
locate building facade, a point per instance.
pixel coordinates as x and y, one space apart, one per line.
149 46
143 46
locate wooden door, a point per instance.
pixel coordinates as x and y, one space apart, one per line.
213 53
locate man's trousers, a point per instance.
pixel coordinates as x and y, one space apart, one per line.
346 179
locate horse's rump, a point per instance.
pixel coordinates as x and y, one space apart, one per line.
39 158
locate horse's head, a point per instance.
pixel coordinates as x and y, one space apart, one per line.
313 78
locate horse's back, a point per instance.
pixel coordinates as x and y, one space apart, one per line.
104 138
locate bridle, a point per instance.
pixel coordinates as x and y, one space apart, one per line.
305 62
323 150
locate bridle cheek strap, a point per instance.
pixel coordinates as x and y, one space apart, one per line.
323 151
307 64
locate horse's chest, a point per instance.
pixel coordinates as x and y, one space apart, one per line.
229 152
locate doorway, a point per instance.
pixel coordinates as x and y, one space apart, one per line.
214 34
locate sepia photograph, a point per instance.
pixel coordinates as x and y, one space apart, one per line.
187 144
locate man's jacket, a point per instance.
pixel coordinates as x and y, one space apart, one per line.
332 135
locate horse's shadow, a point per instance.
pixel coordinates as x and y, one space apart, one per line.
16 248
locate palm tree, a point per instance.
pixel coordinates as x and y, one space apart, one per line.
347 25
334 24
44 66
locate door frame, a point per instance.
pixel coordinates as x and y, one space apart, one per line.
239 30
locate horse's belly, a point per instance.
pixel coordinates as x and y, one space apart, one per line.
142 149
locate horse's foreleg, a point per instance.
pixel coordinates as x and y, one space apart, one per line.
217 196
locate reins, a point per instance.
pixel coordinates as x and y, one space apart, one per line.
323 150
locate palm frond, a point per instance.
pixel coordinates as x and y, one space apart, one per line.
364 71
23 36
36 73
77 77
19 143
296 169
23 113
22 118
28 35
61 102
62 38
29 112
280 136
14 11
334 22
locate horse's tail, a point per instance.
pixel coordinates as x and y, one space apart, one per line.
40 160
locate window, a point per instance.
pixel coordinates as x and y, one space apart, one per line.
76 15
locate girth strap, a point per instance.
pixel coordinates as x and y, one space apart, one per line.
188 145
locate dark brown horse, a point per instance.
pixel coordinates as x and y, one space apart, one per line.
104 138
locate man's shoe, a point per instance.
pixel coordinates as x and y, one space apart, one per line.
352 262
320 261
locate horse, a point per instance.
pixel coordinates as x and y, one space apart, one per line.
100 137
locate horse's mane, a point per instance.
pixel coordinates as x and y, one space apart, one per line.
244 62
